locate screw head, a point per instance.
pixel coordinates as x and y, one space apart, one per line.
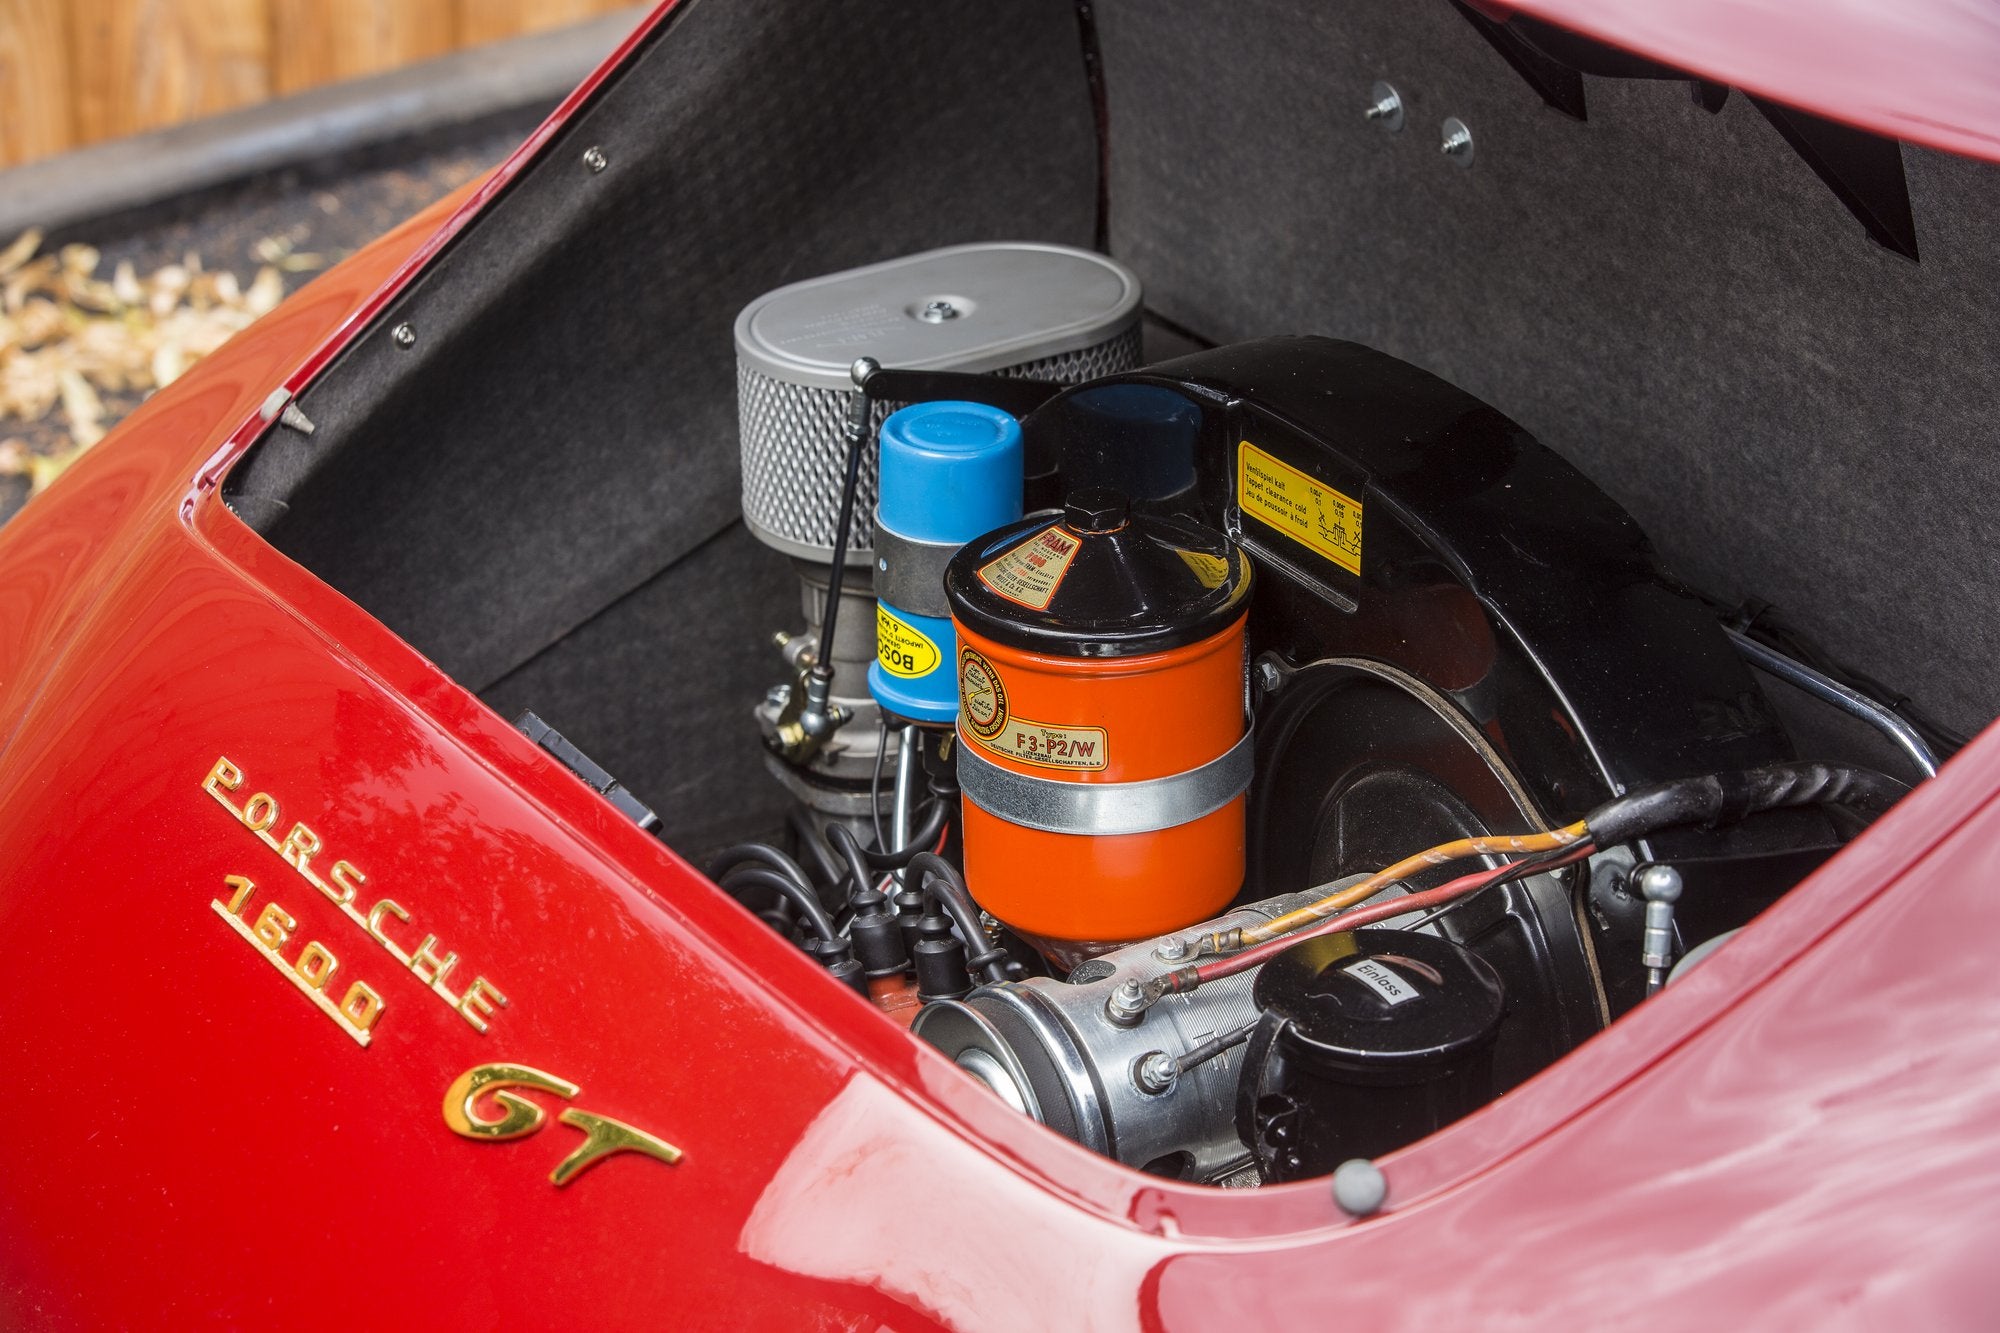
937 312
1457 141
1171 949
1385 107
405 336
1270 677
778 696
594 158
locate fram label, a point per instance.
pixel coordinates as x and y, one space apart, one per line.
1310 512
1030 573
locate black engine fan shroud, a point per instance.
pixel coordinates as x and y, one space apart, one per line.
1361 763
1522 600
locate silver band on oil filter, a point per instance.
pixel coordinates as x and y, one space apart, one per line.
1105 809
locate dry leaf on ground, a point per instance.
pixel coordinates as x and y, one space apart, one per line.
67 336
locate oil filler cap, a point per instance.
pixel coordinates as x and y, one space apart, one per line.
1097 509
1101 579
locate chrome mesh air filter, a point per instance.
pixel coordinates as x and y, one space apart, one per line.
1016 308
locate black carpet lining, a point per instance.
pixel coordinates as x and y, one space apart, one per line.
1669 298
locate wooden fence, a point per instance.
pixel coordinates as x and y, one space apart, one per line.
75 71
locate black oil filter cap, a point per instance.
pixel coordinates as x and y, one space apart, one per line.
1098 580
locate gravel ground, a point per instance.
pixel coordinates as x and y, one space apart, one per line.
324 209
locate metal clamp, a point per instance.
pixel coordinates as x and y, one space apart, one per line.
1106 808
909 574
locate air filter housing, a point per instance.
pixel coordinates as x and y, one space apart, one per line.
1019 308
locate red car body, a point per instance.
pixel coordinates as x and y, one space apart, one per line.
1804 1131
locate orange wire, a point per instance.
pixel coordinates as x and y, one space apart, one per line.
1442 854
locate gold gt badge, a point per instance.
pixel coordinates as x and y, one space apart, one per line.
520 1117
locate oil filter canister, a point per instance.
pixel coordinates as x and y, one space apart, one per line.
1369 1040
1103 751
950 471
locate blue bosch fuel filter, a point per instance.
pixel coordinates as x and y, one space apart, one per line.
950 472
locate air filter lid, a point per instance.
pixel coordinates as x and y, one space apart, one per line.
966 307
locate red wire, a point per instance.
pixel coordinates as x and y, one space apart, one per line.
1368 915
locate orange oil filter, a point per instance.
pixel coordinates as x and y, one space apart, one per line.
1102 747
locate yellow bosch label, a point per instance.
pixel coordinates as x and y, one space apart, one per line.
1312 514
1030 573
1050 747
902 648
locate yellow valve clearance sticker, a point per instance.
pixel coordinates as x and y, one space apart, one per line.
1314 515
902 648
1030 573
1050 747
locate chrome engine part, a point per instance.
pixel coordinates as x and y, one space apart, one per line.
1053 1050
833 779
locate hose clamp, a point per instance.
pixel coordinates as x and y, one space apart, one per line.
909 574
1106 809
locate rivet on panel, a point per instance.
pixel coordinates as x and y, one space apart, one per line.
1457 141
1385 107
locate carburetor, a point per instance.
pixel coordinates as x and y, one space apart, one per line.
1022 309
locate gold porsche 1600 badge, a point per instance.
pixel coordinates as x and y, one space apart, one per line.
313 967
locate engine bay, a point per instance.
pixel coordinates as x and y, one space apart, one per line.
1234 744
1263 757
